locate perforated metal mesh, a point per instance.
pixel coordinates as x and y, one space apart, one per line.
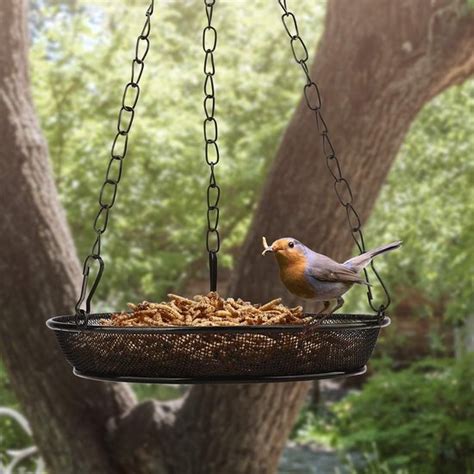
343 343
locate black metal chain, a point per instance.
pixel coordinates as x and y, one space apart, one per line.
341 185
108 191
211 150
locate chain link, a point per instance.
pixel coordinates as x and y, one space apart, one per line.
108 191
211 149
341 185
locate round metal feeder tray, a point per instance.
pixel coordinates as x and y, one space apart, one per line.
338 347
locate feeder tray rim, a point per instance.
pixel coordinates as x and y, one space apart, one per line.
366 321
223 380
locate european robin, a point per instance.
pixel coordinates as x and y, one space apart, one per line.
314 276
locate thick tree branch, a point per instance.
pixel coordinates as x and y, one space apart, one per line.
41 276
378 62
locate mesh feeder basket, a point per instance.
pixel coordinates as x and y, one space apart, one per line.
338 345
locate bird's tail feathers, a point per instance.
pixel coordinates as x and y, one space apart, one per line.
385 248
361 261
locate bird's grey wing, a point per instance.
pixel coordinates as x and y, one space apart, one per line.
325 269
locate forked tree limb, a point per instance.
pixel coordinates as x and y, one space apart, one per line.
378 63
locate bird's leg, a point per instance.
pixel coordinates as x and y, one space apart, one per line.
340 304
321 315
326 306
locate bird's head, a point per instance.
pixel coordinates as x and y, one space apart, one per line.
286 250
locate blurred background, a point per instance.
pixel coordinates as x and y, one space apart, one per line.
414 410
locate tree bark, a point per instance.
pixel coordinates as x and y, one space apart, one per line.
378 62
40 278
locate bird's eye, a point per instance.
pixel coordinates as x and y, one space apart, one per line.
291 244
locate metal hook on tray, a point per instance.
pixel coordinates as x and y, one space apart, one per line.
81 313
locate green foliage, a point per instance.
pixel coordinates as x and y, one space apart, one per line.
155 243
314 426
370 463
80 63
145 391
428 202
421 418
470 5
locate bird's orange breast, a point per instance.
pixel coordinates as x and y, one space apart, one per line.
293 277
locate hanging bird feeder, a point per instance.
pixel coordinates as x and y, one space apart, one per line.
325 346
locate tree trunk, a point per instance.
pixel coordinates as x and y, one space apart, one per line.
40 278
378 62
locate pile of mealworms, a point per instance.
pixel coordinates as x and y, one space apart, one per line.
206 310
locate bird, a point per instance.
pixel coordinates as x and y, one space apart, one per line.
316 277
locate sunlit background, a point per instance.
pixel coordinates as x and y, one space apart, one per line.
80 60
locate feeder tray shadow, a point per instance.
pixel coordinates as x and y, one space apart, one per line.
338 347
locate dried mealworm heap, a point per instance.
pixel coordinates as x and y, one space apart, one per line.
206 310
